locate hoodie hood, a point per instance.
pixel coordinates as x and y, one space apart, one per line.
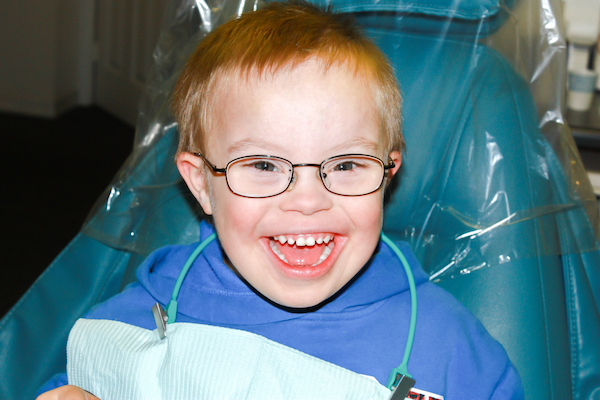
210 287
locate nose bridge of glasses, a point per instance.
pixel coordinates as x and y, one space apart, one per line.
294 178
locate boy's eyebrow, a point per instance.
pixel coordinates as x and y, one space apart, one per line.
274 149
362 142
242 145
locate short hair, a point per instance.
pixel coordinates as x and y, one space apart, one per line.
282 34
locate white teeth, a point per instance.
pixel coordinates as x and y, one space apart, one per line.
303 241
306 241
278 253
325 254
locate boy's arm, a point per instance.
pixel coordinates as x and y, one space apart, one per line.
56 381
509 386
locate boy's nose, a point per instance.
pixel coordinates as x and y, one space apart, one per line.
306 193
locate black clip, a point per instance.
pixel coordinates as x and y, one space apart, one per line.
401 387
161 320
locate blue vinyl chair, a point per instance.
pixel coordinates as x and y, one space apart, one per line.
492 208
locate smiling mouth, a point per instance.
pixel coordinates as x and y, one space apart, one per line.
303 250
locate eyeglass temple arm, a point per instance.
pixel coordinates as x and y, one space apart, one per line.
211 165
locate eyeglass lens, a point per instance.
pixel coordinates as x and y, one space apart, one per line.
268 176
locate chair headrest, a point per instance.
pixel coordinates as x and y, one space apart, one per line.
438 17
463 9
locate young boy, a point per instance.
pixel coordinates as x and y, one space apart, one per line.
290 130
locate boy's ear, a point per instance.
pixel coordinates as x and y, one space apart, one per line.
396 156
193 173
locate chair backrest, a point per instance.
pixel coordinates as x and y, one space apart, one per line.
490 207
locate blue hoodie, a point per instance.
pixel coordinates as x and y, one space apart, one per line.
364 328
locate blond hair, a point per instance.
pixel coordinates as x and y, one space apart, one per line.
280 35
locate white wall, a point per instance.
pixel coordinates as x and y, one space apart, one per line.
38 56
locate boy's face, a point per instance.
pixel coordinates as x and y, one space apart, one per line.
304 115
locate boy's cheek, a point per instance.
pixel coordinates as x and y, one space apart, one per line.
218 195
368 212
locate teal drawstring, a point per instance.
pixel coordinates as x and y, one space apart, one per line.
402 369
172 306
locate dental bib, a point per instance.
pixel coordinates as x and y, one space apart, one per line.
114 360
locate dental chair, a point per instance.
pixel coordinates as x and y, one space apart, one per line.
492 195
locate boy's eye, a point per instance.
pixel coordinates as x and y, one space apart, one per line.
265 166
344 166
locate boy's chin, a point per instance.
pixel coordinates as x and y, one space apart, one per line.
288 302
303 301
307 300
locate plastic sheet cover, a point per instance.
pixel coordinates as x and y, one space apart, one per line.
491 173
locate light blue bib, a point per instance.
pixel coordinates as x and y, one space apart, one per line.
114 360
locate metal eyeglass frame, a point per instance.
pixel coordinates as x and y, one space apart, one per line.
215 169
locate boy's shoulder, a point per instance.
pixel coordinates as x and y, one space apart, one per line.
156 279
450 341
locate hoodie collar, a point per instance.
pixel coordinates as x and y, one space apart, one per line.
213 293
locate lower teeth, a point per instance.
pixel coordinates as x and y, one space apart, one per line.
326 252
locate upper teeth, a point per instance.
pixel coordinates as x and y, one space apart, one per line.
303 240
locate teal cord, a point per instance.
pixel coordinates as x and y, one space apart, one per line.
403 368
172 306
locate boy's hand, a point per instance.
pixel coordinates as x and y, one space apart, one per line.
67 392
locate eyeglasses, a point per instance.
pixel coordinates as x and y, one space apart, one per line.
267 176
